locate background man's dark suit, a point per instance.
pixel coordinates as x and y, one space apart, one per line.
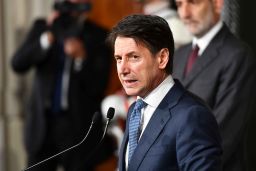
172 137
86 89
223 76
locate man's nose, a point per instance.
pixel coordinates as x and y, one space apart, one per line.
123 67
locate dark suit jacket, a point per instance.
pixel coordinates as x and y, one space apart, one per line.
223 76
181 135
86 87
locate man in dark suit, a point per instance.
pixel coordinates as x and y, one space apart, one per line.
167 127
70 49
223 74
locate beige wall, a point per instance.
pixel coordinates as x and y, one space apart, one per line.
15 19
2 88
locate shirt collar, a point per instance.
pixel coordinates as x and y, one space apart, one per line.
204 41
156 96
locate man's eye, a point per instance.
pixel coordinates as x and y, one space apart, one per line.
178 4
118 59
135 57
194 1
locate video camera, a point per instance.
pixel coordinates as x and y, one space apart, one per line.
68 7
68 24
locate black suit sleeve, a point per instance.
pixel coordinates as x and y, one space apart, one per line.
30 52
235 98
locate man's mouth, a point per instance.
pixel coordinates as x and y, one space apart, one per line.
130 83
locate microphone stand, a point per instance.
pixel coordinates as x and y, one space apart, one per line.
94 119
110 115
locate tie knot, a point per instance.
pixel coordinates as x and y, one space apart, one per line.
139 104
196 48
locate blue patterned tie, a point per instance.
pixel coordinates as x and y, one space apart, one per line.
134 126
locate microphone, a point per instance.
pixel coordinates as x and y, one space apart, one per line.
95 118
110 115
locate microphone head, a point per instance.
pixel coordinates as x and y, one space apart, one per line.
96 117
110 113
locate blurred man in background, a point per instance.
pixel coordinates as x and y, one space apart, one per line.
165 9
221 70
72 66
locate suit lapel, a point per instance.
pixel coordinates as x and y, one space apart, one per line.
152 131
208 56
155 126
125 141
201 63
122 152
181 63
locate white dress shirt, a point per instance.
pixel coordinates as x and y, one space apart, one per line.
152 100
204 41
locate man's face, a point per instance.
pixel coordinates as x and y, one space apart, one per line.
138 69
199 15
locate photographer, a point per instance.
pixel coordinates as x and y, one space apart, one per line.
72 65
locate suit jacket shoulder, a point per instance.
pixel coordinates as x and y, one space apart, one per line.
180 135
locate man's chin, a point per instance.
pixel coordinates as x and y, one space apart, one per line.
131 91
192 28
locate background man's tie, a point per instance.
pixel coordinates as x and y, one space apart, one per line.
191 59
134 125
56 102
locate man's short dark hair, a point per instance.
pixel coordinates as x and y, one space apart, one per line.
153 31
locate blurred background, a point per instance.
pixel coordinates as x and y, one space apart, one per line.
16 17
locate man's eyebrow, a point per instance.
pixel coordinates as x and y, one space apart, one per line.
131 53
128 54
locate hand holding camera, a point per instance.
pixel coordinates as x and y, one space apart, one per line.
74 48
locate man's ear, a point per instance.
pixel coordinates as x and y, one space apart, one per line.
163 58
